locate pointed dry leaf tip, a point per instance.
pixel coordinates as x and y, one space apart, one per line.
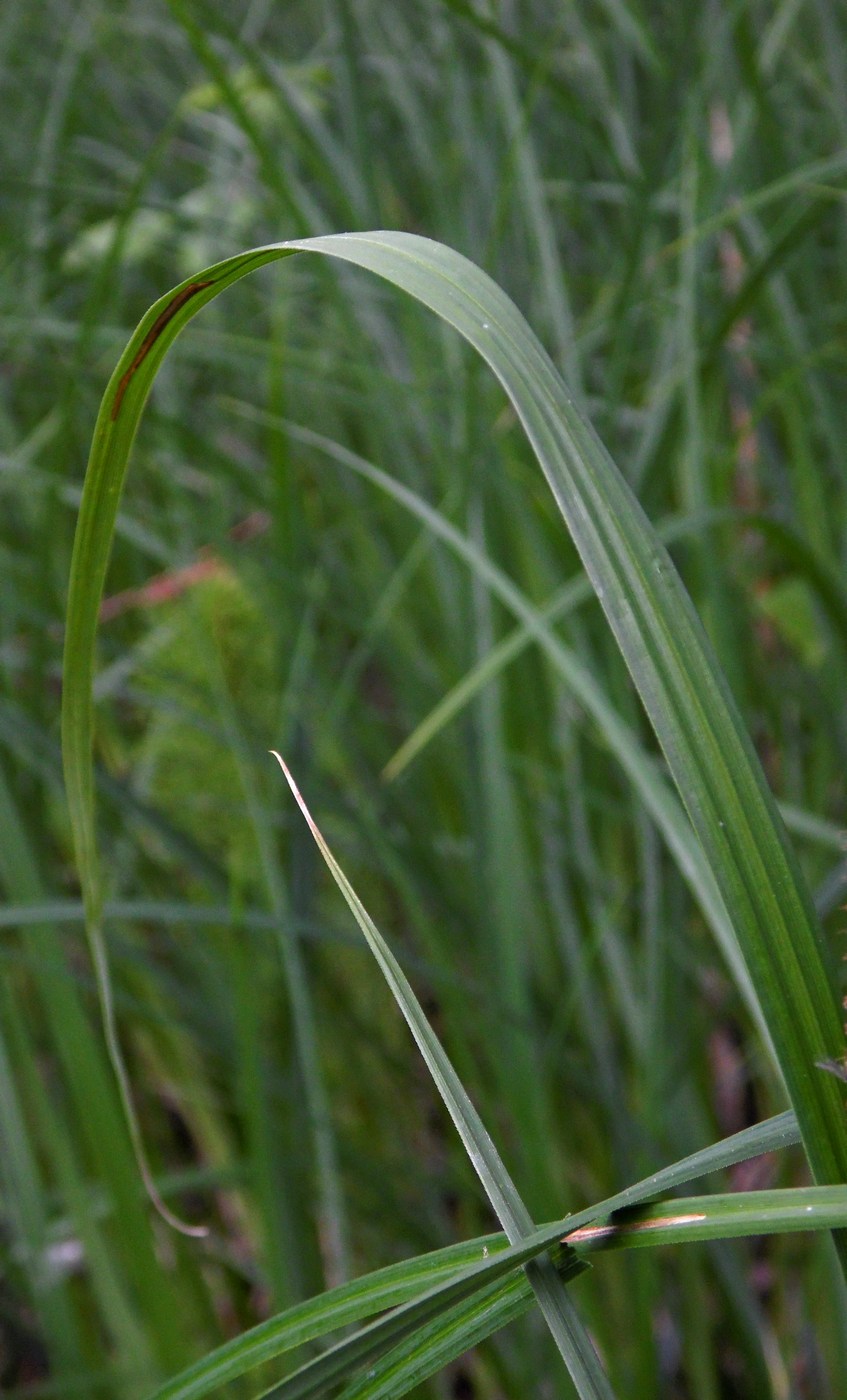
288 778
297 794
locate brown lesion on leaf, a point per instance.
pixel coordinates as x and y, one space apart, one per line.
162 320
597 1234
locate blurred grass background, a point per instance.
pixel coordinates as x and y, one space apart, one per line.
662 191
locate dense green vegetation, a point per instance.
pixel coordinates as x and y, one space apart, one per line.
335 542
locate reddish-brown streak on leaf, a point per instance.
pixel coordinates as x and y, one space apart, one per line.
152 336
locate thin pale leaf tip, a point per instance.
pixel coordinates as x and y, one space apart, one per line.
298 797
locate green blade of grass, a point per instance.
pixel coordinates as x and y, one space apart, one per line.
435 1345
736 1215
680 683
305 1322
570 1336
432 1285
657 630
367 1345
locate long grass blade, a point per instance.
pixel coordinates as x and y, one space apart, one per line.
574 1344
671 663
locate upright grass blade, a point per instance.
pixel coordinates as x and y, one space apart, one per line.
668 655
567 1330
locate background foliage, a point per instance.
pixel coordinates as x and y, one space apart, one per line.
663 196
